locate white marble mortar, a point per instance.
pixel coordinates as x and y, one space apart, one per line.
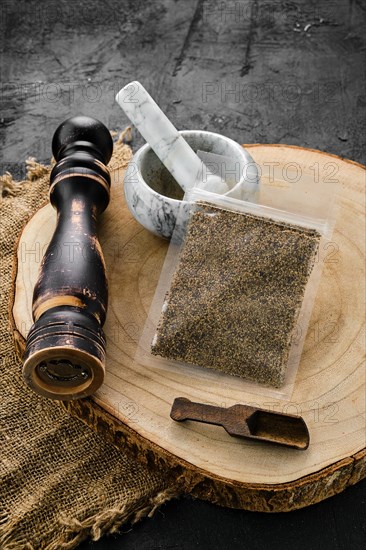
154 197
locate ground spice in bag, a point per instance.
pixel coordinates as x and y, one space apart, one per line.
235 296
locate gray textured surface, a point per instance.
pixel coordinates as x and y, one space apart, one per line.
246 69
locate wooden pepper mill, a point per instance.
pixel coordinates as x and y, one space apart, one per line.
65 352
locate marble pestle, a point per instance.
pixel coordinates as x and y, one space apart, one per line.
170 147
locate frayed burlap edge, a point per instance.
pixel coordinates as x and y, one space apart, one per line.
94 527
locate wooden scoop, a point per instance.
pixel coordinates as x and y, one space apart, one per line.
246 422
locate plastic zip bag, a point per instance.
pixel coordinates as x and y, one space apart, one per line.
236 291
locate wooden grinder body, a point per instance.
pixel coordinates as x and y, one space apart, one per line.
65 352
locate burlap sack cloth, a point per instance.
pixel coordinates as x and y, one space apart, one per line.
60 483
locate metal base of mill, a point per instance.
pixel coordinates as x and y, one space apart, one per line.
63 359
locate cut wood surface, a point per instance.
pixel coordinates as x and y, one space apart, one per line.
133 405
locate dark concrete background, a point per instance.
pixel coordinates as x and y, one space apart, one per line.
267 72
246 69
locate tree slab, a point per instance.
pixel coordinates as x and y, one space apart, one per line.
132 407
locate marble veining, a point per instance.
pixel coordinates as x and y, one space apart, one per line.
152 194
168 144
